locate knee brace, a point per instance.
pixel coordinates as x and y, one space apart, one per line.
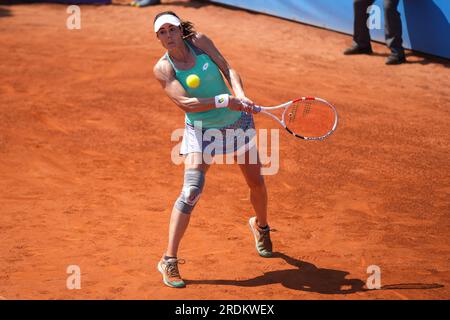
194 180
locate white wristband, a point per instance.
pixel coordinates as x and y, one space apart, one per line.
222 100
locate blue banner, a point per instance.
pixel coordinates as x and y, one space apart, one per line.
426 26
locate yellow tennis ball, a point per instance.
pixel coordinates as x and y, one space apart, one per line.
193 81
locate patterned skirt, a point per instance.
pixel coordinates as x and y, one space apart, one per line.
236 137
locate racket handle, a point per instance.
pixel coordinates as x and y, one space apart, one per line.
255 107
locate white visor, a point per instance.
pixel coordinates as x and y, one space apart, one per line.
166 18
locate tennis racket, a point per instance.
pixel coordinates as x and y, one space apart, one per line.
307 118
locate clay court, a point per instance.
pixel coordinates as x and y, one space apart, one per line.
86 176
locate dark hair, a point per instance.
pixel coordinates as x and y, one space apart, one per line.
186 26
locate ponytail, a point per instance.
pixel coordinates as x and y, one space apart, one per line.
188 29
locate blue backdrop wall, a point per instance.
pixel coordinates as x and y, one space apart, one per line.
426 26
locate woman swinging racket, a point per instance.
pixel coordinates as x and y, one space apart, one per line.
190 73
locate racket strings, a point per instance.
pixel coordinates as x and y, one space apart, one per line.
307 108
292 113
310 118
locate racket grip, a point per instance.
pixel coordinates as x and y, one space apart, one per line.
257 108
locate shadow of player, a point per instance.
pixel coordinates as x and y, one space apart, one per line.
306 277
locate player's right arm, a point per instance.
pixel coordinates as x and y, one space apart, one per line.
165 74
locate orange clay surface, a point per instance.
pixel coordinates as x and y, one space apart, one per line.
86 176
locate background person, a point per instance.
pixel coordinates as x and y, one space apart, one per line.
392 29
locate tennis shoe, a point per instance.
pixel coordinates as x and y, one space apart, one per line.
170 272
262 238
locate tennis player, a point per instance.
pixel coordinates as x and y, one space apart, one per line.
190 73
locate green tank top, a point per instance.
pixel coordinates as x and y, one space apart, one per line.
211 85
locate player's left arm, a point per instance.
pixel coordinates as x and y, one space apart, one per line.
232 76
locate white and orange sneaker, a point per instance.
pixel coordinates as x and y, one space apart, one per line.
170 272
262 238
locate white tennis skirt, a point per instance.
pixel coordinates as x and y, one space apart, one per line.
236 137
